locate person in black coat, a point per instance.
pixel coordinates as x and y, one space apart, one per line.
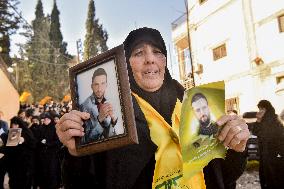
3 135
133 166
36 128
19 158
48 149
270 133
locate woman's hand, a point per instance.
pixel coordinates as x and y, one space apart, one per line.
69 127
234 133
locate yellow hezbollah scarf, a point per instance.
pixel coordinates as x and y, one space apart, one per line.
168 169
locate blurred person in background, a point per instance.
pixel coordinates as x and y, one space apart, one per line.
22 114
3 124
49 146
270 133
35 128
19 159
3 135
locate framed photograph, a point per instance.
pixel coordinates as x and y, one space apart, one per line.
100 86
14 136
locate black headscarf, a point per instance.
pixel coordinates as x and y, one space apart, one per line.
270 110
164 99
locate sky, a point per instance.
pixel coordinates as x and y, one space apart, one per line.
118 17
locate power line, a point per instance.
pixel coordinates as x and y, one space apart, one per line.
44 62
48 42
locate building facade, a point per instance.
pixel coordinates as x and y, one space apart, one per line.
238 41
9 96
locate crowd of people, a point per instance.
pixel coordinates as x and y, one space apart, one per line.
35 161
49 131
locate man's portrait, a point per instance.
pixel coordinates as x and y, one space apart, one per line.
201 111
102 117
98 95
207 127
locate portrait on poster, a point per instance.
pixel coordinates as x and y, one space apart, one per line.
201 107
100 87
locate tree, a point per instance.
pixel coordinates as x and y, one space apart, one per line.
103 38
96 37
38 54
9 24
58 55
47 57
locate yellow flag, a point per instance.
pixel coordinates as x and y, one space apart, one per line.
24 97
45 100
66 98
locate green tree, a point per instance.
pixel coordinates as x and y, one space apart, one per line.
59 56
9 23
96 37
38 55
24 71
47 57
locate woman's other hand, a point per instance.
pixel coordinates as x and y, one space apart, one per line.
234 133
69 127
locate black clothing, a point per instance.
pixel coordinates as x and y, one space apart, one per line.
223 174
141 35
48 157
270 134
19 159
3 168
35 128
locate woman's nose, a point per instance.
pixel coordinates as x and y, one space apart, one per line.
149 58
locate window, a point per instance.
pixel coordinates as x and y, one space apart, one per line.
219 52
232 104
281 23
201 1
187 63
280 79
280 85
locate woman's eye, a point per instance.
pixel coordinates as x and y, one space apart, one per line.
138 53
157 51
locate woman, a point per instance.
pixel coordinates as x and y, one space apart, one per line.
19 159
48 154
270 133
156 98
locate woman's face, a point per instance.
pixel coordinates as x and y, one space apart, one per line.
260 113
14 125
148 66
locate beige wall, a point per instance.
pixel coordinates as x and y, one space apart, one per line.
9 97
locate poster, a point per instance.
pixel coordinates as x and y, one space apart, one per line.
201 107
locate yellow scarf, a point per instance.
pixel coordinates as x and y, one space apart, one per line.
168 169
